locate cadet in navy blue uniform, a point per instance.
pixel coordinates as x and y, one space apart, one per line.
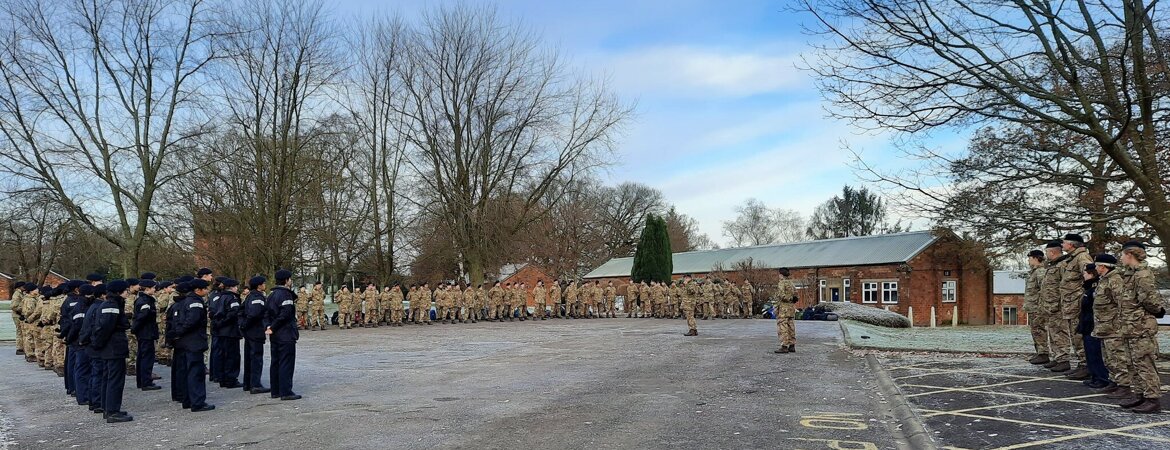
85 339
282 333
191 340
145 328
225 325
254 322
81 369
178 383
109 339
64 324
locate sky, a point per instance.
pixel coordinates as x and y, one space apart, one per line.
723 111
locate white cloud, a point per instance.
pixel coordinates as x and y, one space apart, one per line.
690 71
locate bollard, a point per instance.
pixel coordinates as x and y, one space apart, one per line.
955 316
910 312
932 317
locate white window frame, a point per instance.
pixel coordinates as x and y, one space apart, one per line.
1004 313
824 284
868 287
889 287
950 287
847 289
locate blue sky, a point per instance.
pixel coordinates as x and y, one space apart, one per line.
723 112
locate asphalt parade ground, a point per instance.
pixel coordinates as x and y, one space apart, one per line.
970 402
560 384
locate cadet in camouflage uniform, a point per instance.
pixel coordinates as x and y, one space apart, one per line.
572 300
610 295
344 300
422 304
302 308
540 297
317 306
631 302
165 297
1140 306
1037 319
748 300
396 305
30 306
708 290
1109 327
1071 292
689 293
373 309
18 315
384 303
554 299
785 313
53 325
1058 333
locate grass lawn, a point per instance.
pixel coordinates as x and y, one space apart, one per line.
997 339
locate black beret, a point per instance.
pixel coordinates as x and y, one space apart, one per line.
95 277
147 283
202 271
1105 259
256 281
1091 268
282 275
132 281
197 284
1036 254
183 287
148 276
164 284
1074 238
58 291
99 289
18 285
1134 244
117 286
85 289
230 282
29 287
45 291
1053 244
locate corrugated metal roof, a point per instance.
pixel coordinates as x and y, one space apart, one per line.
852 251
1009 282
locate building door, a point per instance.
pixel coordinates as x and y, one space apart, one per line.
835 294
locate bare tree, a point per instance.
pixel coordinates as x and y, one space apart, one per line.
493 118
757 224
625 207
684 233
95 99
1091 68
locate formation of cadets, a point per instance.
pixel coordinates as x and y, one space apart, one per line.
1101 313
94 334
505 301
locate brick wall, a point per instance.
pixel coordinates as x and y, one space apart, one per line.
998 301
529 274
6 288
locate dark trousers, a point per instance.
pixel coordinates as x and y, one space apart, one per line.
1095 359
113 382
194 373
82 371
229 360
284 359
70 367
216 355
96 369
253 363
178 376
145 366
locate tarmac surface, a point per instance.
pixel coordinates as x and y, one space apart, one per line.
564 384
969 402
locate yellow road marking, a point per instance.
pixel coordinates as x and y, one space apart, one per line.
1085 431
1116 431
1012 394
1033 402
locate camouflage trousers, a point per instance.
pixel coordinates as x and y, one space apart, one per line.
372 316
421 314
395 315
447 313
302 318
1067 344
689 312
30 340
344 317
45 347
19 327
316 318
786 324
1141 353
1117 360
1038 324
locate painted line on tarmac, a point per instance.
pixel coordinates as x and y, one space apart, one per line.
1006 383
1062 427
1056 377
1091 434
1008 405
1010 394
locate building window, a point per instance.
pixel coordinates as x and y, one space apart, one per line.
821 292
889 292
948 291
1009 315
869 292
847 290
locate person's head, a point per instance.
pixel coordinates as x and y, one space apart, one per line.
199 287
231 285
1104 263
95 279
784 273
1072 242
1035 258
1133 254
283 277
147 286
257 283
1053 249
204 274
117 287
1090 272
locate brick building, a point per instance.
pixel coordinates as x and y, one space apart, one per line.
897 272
1007 300
6 282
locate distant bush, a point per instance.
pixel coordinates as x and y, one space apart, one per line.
866 314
